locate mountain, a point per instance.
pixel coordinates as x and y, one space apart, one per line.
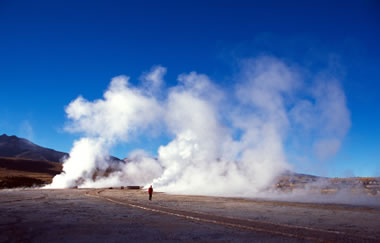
15 147
25 164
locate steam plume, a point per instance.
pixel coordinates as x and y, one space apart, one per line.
225 142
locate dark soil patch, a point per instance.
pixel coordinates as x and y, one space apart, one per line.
20 181
27 165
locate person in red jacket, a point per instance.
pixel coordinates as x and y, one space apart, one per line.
150 191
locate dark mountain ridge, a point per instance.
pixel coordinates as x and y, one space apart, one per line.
15 147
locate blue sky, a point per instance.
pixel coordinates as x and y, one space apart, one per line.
53 51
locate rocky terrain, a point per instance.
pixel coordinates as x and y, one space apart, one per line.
293 182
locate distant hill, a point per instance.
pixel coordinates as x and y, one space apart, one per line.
25 164
15 147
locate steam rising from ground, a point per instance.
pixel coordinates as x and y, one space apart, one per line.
225 142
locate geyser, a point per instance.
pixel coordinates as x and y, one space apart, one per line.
232 141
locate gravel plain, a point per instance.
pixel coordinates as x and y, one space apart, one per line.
121 215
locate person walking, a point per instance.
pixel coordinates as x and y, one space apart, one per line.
150 191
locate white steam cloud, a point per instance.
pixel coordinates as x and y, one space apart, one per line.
123 111
224 142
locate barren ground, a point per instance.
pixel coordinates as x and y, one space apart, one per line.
115 215
19 172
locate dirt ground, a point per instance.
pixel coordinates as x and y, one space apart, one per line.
19 172
116 215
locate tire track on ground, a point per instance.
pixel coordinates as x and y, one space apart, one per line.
290 231
24 199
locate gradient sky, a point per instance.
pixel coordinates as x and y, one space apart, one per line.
53 51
